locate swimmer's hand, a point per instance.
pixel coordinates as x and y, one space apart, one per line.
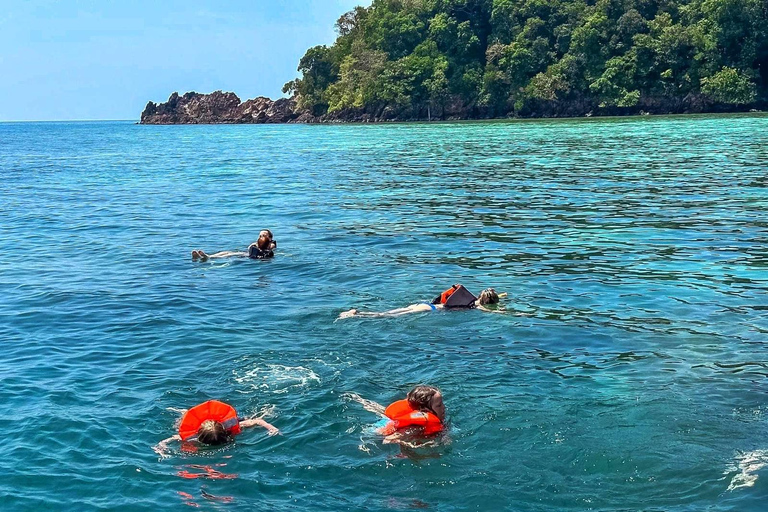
160 450
162 447
398 438
407 441
348 314
392 438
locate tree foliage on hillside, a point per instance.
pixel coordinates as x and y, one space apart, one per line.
407 59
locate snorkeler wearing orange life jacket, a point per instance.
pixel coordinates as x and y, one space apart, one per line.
455 297
423 407
212 423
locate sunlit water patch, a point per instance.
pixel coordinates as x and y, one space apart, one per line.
276 378
629 370
746 467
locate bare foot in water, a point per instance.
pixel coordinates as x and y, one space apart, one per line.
348 314
199 254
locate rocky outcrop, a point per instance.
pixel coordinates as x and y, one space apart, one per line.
219 108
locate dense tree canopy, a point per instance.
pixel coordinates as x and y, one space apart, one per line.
408 59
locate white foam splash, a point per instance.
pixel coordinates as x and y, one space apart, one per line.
277 378
267 411
746 465
363 446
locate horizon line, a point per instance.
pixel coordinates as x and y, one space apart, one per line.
63 120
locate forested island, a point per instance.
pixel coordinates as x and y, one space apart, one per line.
475 59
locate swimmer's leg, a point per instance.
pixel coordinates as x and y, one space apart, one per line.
413 308
376 314
226 254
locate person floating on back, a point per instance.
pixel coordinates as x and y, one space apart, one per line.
261 249
420 415
212 423
455 297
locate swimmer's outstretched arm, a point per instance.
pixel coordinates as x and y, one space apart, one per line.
398 438
162 447
259 422
404 439
502 310
413 308
480 307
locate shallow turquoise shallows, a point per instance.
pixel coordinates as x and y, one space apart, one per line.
629 371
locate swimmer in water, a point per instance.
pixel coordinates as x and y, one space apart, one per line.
261 249
212 423
487 296
421 415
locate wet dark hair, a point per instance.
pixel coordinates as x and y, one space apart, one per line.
263 243
488 296
213 433
420 397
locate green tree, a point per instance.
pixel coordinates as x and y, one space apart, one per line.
407 58
612 88
319 71
729 86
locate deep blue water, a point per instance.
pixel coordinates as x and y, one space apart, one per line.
630 372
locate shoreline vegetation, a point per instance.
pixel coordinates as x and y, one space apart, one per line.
421 60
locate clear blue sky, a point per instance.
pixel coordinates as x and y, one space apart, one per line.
97 59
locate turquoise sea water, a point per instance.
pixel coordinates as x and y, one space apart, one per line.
630 373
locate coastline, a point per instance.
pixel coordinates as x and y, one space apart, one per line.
221 107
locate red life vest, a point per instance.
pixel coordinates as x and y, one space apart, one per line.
457 296
402 415
447 293
210 410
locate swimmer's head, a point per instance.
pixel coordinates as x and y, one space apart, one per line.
265 242
213 433
427 398
488 296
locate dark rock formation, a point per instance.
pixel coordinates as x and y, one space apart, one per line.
218 108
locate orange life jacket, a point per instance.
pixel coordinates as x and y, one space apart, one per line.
402 415
457 296
447 293
210 410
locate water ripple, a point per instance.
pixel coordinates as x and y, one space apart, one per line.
628 371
